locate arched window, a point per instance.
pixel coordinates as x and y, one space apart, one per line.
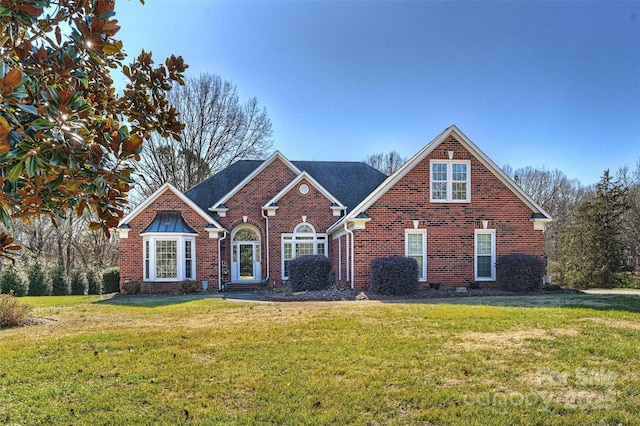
246 234
303 242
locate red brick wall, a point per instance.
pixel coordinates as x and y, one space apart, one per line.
249 200
291 207
450 226
131 248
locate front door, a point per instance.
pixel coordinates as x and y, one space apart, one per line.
245 264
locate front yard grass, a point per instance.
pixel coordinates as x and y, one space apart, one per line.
566 359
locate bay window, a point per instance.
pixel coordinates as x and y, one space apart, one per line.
169 257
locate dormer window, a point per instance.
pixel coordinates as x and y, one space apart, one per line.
450 181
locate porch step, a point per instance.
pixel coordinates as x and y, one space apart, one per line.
231 287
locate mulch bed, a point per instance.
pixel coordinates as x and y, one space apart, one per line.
338 295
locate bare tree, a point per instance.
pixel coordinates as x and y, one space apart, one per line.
218 131
556 193
69 242
387 162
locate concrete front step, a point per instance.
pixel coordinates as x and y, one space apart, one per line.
231 287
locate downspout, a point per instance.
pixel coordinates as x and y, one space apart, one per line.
266 221
220 261
346 229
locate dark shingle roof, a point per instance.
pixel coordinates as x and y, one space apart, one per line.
349 182
169 221
210 190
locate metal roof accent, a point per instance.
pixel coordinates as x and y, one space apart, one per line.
169 221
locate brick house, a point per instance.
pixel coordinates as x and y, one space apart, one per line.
449 207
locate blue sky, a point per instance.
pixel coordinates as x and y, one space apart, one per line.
543 84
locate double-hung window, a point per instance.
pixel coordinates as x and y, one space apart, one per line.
415 242
450 181
485 255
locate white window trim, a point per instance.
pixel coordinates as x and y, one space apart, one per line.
291 239
423 232
477 232
450 164
180 240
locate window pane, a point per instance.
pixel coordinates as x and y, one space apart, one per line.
304 229
288 252
166 259
459 172
146 259
459 190
320 248
484 266
304 249
245 234
188 260
483 245
439 190
439 172
414 244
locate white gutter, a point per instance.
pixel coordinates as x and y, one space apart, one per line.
266 220
220 261
351 250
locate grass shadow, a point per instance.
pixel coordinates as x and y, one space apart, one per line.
156 300
604 302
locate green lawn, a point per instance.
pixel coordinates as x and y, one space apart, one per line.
566 359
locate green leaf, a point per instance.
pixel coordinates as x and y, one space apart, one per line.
31 166
5 10
4 216
15 172
41 124
57 181
28 108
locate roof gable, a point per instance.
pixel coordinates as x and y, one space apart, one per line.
347 182
254 173
422 154
164 188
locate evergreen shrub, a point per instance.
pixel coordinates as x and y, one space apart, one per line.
111 280
520 272
94 282
396 275
310 273
60 281
78 282
39 280
12 281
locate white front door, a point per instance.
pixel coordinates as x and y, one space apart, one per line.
245 262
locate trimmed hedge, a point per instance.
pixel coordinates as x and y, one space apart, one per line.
395 275
111 280
309 273
520 272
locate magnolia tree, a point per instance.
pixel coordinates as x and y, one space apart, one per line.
68 141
